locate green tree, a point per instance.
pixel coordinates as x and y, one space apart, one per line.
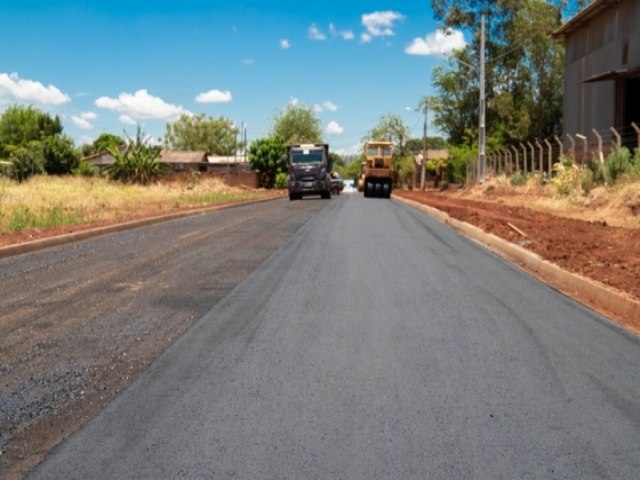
27 160
297 124
523 69
102 144
60 155
269 156
216 136
138 162
415 146
390 128
33 141
20 125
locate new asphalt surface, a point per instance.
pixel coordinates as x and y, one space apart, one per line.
377 343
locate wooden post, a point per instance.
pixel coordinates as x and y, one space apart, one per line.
637 129
550 158
517 159
617 135
599 138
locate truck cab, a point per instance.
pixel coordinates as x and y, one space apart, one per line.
309 170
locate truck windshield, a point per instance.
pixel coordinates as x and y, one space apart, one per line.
307 156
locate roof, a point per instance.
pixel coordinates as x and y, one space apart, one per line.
433 155
170 156
584 16
614 74
225 160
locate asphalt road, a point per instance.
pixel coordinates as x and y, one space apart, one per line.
377 343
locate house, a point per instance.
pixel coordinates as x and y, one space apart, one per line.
602 71
432 156
185 161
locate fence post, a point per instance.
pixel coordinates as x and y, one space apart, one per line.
533 156
550 159
524 162
600 154
510 172
539 145
617 135
637 129
585 150
517 159
560 144
573 148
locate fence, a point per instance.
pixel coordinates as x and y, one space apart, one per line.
539 156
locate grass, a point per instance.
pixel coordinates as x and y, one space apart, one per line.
43 201
618 205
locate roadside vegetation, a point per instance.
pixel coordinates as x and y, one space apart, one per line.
52 201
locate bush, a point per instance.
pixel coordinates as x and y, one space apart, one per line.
617 164
282 179
570 178
84 169
519 178
138 163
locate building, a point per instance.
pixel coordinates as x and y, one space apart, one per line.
602 71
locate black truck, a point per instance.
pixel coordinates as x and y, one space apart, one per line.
309 167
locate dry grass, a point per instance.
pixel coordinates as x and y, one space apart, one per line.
618 205
52 201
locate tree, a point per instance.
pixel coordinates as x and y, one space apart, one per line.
269 156
216 136
297 124
33 141
137 162
102 144
60 155
27 160
390 128
523 70
20 125
414 146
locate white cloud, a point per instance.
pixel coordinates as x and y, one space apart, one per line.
380 24
345 34
284 44
294 101
127 120
315 33
142 105
214 96
365 38
437 43
84 120
334 128
15 89
248 61
326 105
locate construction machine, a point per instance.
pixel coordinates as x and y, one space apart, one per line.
378 169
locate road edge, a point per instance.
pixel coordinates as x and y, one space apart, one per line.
35 245
615 304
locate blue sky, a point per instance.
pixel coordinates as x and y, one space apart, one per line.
106 66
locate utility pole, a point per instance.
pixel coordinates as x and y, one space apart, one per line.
424 147
481 122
